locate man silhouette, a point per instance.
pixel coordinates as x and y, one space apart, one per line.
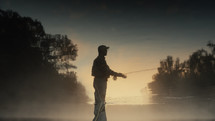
101 73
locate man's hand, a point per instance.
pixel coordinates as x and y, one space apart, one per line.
122 75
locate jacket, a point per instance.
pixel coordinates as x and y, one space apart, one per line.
100 68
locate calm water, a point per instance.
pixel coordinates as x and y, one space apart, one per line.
185 110
36 119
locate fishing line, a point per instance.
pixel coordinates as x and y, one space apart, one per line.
140 71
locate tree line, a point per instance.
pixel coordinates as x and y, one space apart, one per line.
193 77
36 66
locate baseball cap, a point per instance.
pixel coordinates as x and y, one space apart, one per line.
103 47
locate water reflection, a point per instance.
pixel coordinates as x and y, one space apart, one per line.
38 119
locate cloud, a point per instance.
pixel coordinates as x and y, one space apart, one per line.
5 4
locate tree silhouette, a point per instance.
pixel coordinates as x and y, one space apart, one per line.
211 45
60 51
194 77
31 61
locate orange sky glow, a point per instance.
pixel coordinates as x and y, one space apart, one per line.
121 58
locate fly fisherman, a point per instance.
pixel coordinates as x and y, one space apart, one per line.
101 73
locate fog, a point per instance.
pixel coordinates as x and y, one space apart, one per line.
39 83
183 111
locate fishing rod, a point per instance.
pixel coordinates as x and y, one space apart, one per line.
131 72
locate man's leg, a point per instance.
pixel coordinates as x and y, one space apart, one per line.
99 109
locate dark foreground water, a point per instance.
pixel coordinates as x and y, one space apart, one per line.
38 119
82 112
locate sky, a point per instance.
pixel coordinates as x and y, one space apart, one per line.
140 33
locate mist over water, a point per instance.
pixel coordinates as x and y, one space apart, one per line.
180 110
38 81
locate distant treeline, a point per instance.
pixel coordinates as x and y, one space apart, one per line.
36 67
193 77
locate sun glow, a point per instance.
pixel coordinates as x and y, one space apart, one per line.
132 90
